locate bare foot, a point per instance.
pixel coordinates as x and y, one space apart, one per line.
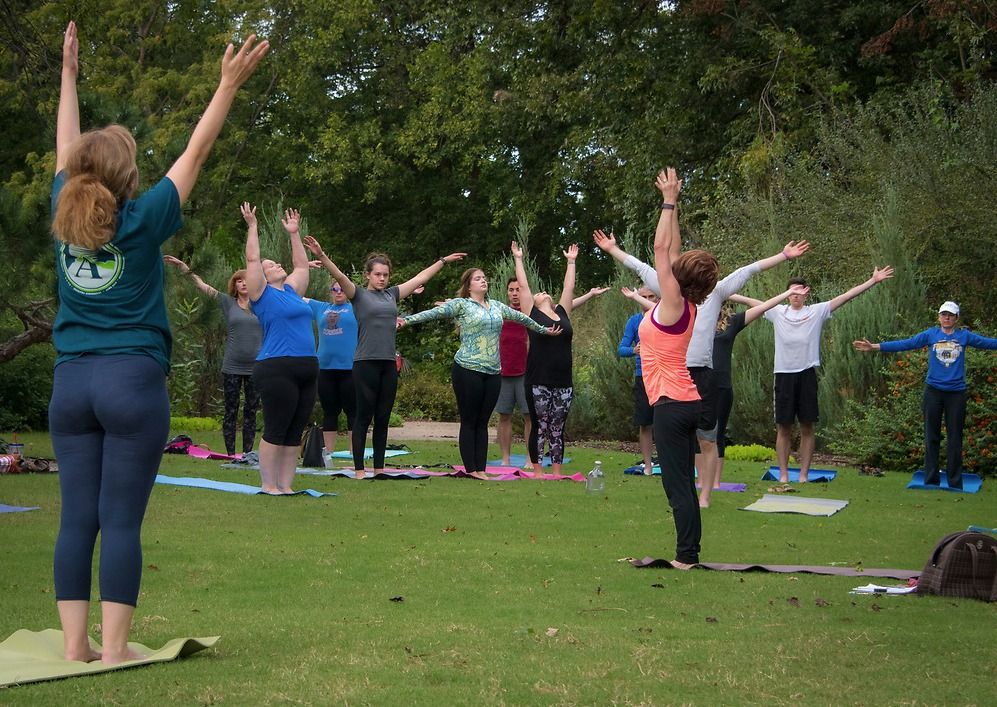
704 504
804 478
379 471
360 473
681 565
784 478
285 491
270 490
478 475
114 657
87 656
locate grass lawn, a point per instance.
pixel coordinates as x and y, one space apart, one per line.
301 590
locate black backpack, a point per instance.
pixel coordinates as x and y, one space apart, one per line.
962 565
311 449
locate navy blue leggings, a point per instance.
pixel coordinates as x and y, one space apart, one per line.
109 418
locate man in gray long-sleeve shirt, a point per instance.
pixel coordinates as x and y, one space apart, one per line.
699 358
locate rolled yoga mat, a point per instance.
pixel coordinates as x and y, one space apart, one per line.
34 656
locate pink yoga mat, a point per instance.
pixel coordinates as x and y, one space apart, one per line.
205 453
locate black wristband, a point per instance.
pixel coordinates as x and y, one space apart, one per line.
665 206
442 260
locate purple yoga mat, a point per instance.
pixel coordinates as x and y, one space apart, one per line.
724 486
785 569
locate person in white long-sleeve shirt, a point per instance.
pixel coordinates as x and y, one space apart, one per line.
699 358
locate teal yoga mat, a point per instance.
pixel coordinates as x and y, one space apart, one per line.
228 486
816 475
368 453
4 508
971 483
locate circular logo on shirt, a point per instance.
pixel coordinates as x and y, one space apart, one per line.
91 271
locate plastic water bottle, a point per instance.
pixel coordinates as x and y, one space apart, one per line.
595 482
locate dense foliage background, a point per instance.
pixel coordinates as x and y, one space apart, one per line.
420 128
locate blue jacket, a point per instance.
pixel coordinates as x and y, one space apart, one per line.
946 359
630 340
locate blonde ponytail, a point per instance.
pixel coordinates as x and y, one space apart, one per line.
101 175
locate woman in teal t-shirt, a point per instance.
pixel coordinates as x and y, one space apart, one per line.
109 416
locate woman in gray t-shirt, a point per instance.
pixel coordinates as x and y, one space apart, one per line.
241 347
375 374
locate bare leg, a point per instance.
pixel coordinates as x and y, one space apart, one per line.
73 616
116 622
270 458
504 434
783 440
527 426
646 438
807 442
706 462
720 471
329 440
555 468
287 468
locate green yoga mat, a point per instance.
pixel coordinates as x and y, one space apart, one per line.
34 656
777 503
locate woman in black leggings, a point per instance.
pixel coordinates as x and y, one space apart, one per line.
375 374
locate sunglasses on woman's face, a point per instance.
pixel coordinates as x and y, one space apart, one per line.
337 289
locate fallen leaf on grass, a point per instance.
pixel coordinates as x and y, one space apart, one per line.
793 601
658 586
820 602
449 529
398 598
533 539
875 607
711 619
153 568
551 632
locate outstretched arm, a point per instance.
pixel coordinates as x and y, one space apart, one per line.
568 291
790 251
185 270
608 245
67 130
741 299
582 299
525 294
759 309
237 67
645 304
256 282
298 277
878 275
349 287
508 312
410 286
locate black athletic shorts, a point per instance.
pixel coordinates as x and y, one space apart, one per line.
643 412
794 397
703 378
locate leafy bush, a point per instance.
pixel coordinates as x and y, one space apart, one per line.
194 424
749 453
888 430
424 394
25 389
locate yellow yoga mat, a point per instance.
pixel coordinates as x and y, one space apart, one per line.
34 656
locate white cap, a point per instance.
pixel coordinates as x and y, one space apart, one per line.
950 307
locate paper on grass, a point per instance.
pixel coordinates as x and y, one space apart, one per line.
880 589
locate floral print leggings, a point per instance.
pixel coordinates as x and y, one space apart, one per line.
549 409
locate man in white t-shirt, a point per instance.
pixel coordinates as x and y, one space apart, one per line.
798 327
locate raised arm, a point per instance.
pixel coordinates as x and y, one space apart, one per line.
256 281
237 67
410 286
671 306
67 129
525 293
761 307
298 277
741 299
508 312
568 292
608 245
790 251
185 270
878 275
349 287
645 304
582 299
668 221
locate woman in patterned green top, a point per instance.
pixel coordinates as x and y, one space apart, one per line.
476 374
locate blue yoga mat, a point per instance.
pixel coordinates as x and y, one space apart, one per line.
521 461
4 508
816 475
971 483
228 486
368 453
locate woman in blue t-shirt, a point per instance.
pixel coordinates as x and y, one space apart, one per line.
286 367
110 414
337 342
